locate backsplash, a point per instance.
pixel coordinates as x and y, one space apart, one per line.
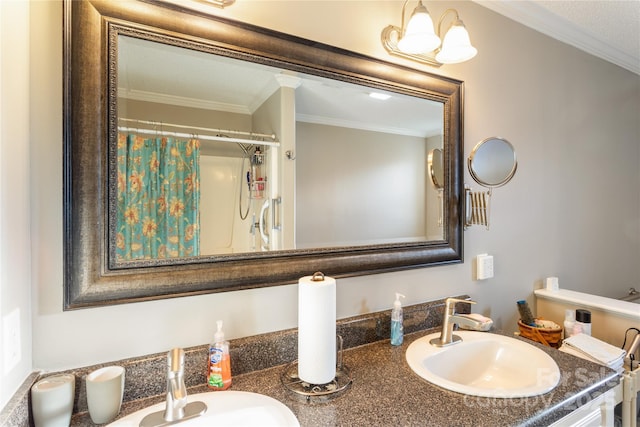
146 376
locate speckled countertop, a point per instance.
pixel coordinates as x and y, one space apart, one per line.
385 391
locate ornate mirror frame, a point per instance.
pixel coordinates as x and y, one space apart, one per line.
90 37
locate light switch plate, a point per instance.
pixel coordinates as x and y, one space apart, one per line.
484 266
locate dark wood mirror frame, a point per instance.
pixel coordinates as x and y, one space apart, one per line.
90 35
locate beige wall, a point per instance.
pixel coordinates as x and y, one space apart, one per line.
15 201
572 210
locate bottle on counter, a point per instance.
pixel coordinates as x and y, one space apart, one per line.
219 363
583 322
569 323
397 329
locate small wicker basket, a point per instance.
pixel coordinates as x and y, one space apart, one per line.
550 336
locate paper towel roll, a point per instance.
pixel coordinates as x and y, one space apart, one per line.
317 329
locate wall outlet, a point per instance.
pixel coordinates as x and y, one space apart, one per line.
11 340
484 266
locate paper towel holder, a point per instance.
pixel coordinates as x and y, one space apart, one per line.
311 393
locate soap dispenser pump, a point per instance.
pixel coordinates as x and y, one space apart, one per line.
397 330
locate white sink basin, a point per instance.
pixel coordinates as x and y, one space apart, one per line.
485 364
226 408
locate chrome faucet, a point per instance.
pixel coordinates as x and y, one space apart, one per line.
449 319
177 408
176 389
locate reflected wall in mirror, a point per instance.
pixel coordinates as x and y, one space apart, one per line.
286 168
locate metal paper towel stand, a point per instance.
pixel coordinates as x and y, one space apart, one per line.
312 393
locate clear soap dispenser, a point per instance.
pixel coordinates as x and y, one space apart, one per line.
397 330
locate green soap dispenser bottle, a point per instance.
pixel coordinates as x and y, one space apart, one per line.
397 330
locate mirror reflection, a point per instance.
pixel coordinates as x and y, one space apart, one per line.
492 163
435 163
436 168
221 156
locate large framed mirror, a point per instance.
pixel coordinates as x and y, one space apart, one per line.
206 155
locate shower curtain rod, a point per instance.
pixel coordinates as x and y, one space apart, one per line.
271 137
191 135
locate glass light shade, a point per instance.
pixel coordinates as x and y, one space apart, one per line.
419 36
456 46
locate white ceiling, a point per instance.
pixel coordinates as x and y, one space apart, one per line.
609 29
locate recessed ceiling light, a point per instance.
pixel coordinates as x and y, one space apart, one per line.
378 95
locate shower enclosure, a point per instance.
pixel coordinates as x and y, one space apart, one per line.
239 200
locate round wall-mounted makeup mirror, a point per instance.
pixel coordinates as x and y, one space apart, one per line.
492 163
436 168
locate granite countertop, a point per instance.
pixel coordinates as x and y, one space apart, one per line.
385 391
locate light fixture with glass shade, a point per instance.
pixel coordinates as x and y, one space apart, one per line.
418 40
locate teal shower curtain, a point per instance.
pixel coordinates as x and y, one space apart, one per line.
158 198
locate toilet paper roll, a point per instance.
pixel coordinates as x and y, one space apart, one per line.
317 329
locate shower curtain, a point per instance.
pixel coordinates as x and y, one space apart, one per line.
158 212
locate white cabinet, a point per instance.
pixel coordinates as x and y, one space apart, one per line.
598 412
